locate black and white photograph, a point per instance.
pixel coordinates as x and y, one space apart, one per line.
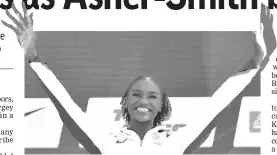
141 92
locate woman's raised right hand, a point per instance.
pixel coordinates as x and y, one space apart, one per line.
24 31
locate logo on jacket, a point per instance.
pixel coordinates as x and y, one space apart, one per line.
158 137
121 137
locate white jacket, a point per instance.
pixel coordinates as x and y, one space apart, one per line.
124 141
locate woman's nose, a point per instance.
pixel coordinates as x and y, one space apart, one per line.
144 100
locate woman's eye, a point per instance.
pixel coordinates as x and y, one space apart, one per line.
152 96
136 94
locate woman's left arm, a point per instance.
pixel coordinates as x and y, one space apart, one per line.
237 83
233 85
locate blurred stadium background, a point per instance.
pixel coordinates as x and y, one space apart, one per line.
100 65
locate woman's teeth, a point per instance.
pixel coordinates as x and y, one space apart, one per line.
143 109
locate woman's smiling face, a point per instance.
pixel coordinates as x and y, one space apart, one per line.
144 100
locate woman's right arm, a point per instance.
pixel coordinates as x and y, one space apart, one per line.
71 114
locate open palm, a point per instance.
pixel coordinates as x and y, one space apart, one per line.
23 29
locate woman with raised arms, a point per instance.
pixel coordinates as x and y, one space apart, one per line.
144 104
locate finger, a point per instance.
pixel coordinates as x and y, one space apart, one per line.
25 13
262 11
19 15
267 12
30 19
271 19
16 11
17 23
11 27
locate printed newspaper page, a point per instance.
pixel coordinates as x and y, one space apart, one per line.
138 77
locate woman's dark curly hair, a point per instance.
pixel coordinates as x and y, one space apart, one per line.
161 116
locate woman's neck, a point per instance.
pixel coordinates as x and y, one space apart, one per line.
141 128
